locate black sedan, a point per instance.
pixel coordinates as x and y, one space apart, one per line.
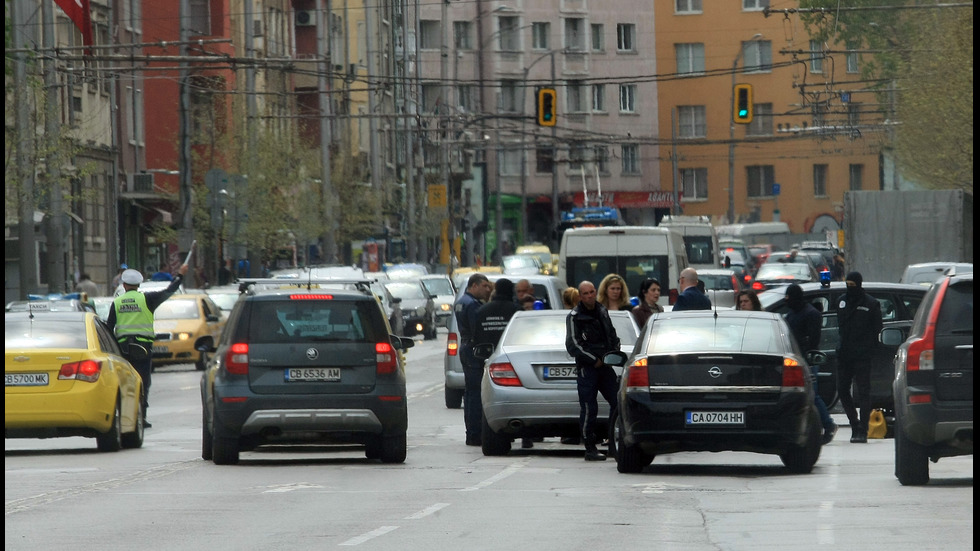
417 305
727 380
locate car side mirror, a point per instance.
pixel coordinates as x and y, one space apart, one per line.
212 318
891 336
402 343
483 351
396 300
615 358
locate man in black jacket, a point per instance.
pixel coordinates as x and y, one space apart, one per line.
589 335
858 322
491 320
804 321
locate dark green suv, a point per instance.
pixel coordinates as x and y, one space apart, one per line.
305 362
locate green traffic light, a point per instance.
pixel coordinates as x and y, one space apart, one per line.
743 112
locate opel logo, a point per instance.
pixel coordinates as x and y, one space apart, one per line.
312 354
715 372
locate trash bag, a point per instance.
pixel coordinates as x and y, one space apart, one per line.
877 427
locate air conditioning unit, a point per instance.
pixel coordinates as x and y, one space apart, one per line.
257 28
139 183
305 18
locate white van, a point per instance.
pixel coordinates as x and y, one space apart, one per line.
634 252
756 232
700 239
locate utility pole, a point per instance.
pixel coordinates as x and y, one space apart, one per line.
55 218
451 199
26 239
329 197
185 229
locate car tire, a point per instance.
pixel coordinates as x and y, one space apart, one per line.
801 459
207 449
372 449
111 441
224 449
491 442
629 459
135 439
394 448
911 460
454 398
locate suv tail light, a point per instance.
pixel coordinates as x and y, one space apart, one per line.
920 353
757 286
387 358
452 345
793 375
503 374
85 370
637 375
236 359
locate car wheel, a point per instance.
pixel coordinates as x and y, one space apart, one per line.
629 458
207 449
135 439
394 448
111 441
493 443
372 449
911 460
454 398
224 450
801 459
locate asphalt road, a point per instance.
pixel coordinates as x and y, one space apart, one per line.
63 494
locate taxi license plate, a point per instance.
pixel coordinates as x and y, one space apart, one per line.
313 374
160 350
715 418
559 372
25 379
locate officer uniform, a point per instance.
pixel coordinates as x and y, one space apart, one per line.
589 335
466 308
858 322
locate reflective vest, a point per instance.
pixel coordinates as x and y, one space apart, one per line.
133 317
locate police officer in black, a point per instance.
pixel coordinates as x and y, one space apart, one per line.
478 289
492 318
858 322
589 335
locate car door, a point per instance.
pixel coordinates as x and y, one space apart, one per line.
829 339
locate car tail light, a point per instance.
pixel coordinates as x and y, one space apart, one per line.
793 373
452 344
503 374
672 295
758 286
637 375
920 353
387 358
236 359
85 370
310 297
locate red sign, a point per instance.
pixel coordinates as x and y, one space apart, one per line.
631 199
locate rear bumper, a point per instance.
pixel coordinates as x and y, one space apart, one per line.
945 427
86 406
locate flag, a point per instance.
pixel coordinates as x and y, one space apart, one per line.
81 15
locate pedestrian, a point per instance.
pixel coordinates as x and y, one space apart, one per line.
131 319
613 293
837 269
649 301
690 298
569 298
477 292
522 290
116 280
804 322
491 320
87 286
747 300
589 335
858 323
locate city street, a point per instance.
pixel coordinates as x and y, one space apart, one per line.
62 493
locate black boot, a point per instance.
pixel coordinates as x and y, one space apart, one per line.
859 434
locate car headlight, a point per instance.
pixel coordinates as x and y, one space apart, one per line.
184 336
444 307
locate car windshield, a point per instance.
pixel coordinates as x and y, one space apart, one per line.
680 335
438 286
779 270
179 309
549 331
225 301
405 290
26 334
518 261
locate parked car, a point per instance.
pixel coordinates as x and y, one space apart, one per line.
933 384
735 255
417 306
64 375
927 273
721 285
547 289
759 252
822 252
183 325
715 381
548 260
898 307
779 274
529 386
54 302
318 368
521 265
406 271
444 294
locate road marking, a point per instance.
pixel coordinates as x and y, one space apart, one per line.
425 392
282 488
369 536
427 511
495 478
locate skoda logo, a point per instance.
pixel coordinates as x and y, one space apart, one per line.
715 372
312 354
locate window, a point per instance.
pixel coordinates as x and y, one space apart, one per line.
599 97
761 124
631 158
510 38
576 155
856 177
819 180
760 180
626 37
694 183
597 37
431 37
852 59
754 5
510 162
687 6
508 96
816 56
692 123
758 56
853 113
627 98
461 35
430 97
575 33
544 160
539 35
200 20
575 99
464 98
690 58
601 156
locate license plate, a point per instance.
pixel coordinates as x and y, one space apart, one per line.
559 372
313 374
161 350
715 418
25 379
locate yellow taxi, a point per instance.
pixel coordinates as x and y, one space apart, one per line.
543 253
183 325
64 375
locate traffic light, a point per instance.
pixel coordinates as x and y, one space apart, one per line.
547 106
742 112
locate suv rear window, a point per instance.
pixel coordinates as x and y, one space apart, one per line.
956 314
316 320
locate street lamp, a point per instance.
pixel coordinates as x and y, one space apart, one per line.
731 131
